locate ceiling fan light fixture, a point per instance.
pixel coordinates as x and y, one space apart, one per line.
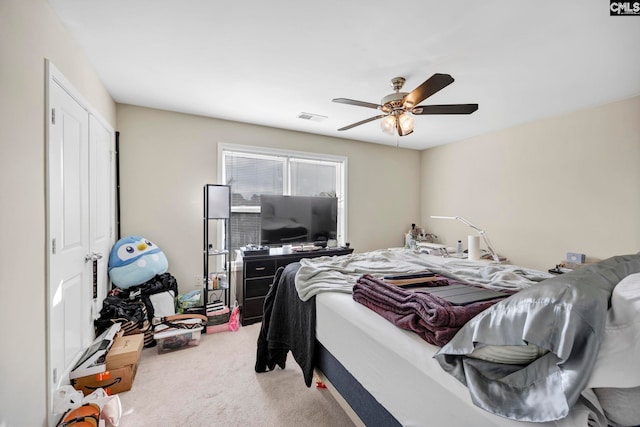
404 120
388 124
406 123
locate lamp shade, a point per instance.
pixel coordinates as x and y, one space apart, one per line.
388 125
218 201
406 123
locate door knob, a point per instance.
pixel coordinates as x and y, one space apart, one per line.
92 257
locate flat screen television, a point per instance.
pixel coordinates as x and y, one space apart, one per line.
297 219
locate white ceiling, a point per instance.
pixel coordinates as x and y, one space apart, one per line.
265 62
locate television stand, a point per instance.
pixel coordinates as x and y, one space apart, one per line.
258 272
307 249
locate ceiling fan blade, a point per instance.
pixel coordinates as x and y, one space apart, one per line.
358 103
432 85
370 119
445 109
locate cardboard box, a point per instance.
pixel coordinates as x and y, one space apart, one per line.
124 351
112 381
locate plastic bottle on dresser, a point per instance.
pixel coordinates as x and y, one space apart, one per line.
459 249
408 238
411 238
222 281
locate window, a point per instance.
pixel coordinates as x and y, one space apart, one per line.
253 171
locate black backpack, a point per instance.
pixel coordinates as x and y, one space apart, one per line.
132 307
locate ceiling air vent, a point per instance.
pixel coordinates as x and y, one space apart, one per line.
312 117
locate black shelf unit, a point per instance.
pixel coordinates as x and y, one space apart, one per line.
217 207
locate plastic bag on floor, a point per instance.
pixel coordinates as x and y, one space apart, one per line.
65 398
234 318
110 407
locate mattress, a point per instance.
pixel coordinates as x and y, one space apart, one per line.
397 368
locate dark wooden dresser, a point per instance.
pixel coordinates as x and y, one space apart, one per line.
257 276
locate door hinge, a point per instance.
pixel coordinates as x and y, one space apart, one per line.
53 246
53 116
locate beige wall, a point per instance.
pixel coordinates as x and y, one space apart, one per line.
29 33
166 158
540 190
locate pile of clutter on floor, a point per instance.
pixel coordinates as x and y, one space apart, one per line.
142 310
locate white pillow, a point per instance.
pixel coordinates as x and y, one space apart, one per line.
625 302
508 354
617 362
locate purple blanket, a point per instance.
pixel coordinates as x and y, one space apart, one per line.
431 317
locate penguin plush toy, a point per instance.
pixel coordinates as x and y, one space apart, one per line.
135 260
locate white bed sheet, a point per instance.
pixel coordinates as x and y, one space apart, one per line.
398 369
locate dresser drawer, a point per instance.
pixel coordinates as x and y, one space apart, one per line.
252 307
258 287
260 268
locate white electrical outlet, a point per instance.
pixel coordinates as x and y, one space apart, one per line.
198 282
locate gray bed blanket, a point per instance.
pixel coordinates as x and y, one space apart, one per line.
339 273
564 315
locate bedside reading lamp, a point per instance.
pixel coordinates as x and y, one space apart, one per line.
482 233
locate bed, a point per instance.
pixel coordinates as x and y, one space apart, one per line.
585 375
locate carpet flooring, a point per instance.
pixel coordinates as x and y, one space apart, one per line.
214 384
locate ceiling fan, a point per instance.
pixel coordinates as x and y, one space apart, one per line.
399 107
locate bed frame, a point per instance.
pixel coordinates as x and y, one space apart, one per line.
361 407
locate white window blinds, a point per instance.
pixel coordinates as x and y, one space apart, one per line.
253 171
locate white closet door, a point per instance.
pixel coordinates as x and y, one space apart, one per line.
102 202
70 276
80 226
